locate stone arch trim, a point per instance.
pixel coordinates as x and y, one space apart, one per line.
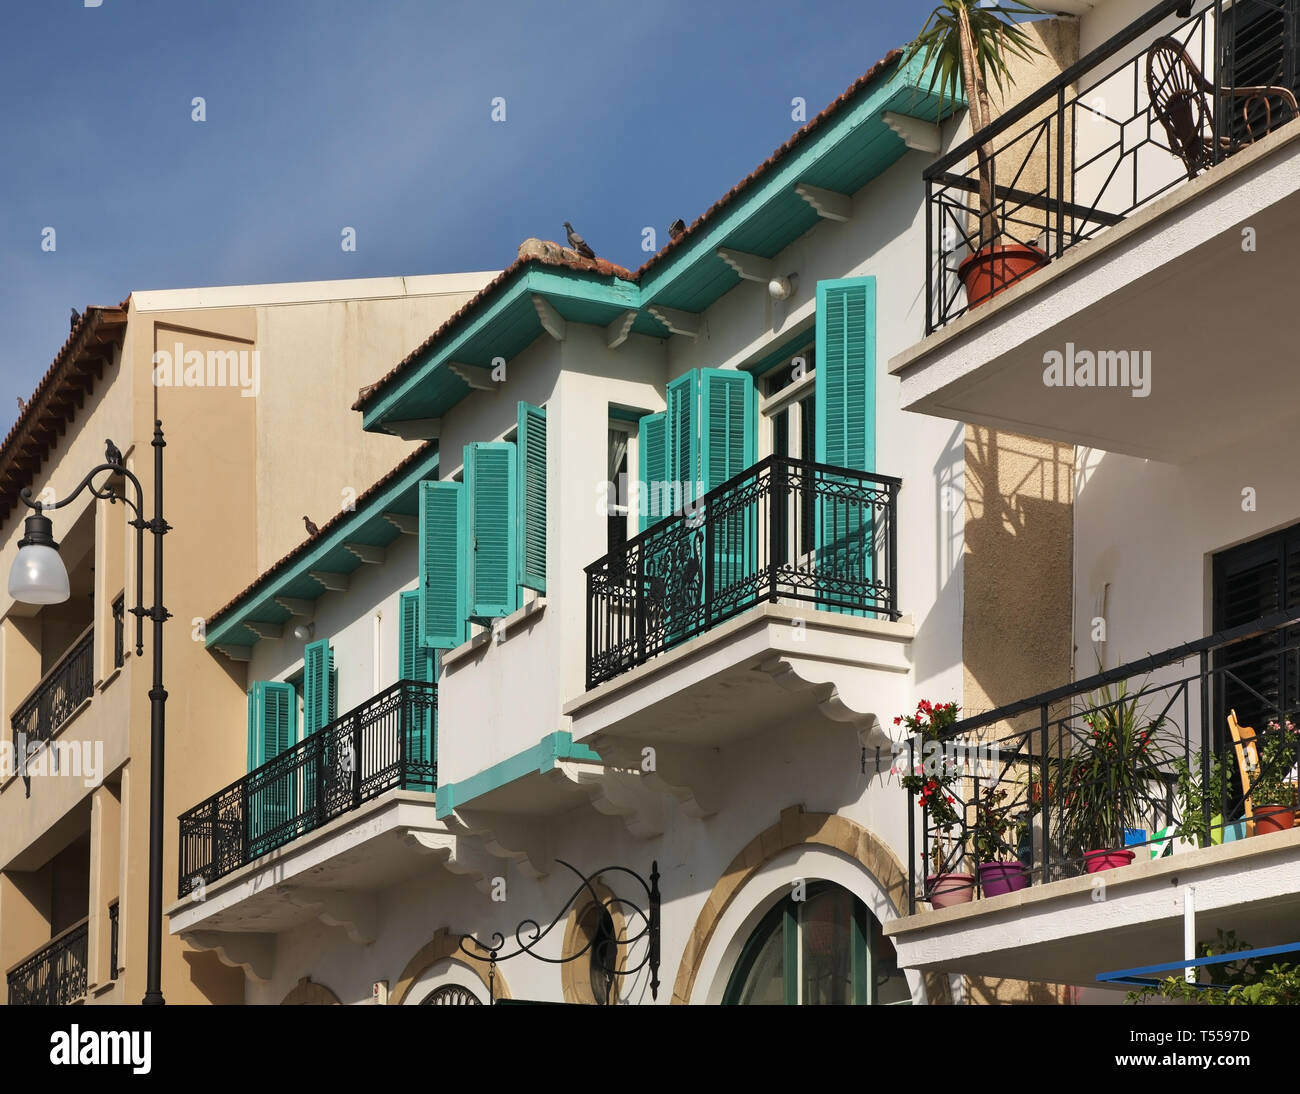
442 946
797 829
573 982
311 995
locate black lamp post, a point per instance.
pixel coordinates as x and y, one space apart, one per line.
38 576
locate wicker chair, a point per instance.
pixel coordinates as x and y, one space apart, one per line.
1182 99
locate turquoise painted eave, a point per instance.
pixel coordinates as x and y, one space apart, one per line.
366 525
539 759
843 155
503 329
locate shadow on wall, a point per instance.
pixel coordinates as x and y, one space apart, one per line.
1018 565
982 990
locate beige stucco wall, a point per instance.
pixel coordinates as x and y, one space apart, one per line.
1018 571
230 461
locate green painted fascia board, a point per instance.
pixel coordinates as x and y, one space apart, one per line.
229 628
571 285
539 759
873 103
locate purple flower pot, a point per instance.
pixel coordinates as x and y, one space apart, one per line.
998 878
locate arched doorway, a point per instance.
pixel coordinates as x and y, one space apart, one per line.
824 949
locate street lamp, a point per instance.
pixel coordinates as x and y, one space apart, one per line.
38 576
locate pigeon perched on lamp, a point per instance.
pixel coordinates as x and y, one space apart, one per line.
577 242
112 454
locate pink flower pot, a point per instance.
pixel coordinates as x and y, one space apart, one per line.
999 878
1096 861
948 889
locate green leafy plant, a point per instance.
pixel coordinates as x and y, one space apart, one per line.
1112 778
1194 795
932 776
1274 783
993 820
1247 982
965 44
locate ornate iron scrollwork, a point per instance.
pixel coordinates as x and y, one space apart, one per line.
604 948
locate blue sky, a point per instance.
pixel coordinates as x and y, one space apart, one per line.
377 115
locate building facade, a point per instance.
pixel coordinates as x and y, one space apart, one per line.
671 562
247 383
1162 183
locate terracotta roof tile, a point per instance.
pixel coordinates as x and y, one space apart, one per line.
571 260
58 396
306 545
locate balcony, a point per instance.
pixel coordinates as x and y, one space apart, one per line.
1159 178
1137 759
53 976
58 696
384 744
778 589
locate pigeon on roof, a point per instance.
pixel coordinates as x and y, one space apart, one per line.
676 228
76 318
577 242
22 404
312 528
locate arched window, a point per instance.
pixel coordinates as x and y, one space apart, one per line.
825 949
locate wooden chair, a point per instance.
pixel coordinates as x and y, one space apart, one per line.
1243 743
1181 98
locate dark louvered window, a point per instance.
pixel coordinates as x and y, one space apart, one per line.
1250 581
1260 48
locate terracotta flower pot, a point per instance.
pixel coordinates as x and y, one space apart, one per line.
1096 861
998 878
948 889
1273 818
995 268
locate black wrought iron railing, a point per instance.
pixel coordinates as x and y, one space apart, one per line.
385 743
119 630
1138 758
1171 95
112 940
53 976
61 691
784 529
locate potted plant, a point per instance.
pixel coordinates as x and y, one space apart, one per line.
999 871
932 779
966 43
1193 794
1273 789
1111 781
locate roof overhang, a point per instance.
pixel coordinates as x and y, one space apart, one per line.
810 179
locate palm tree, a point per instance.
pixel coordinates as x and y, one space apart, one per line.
965 44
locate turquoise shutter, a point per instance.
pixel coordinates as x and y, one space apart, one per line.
652 446
729 446
416 664
728 425
846 373
846 434
683 434
444 578
272 729
490 479
532 497
318 690
272 706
